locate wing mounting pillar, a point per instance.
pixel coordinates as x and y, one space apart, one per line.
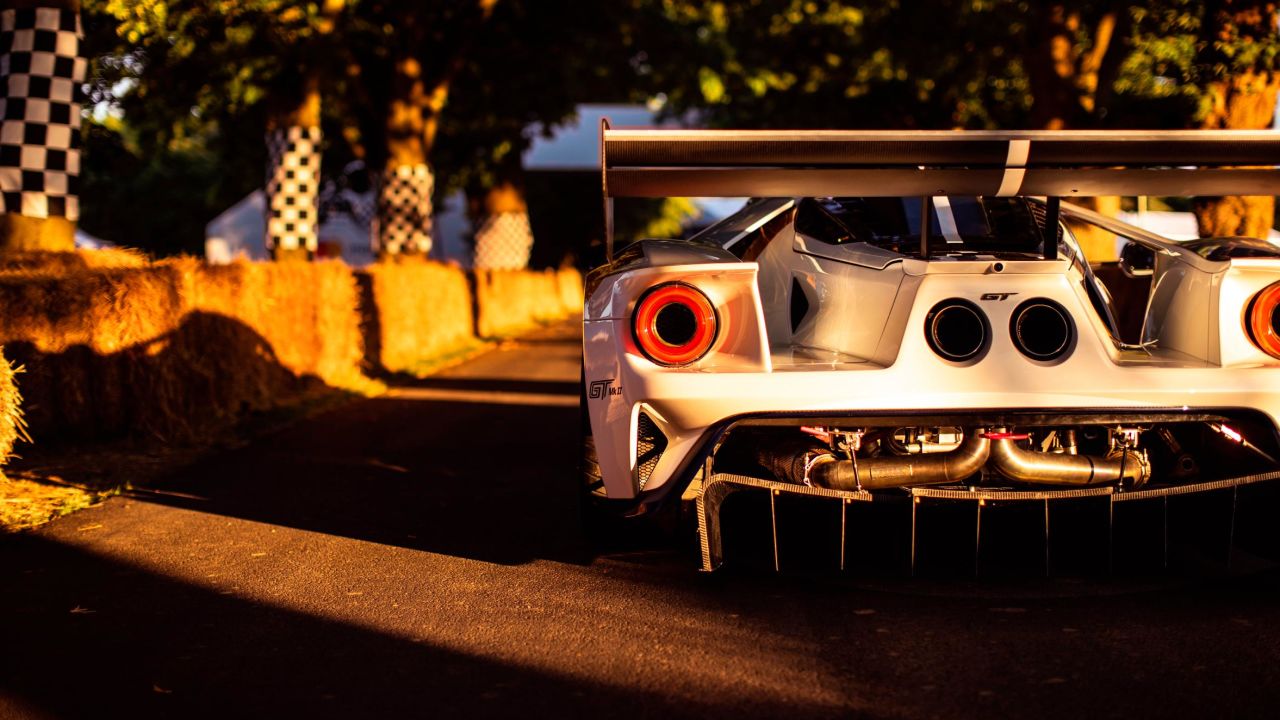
1052 214
608 199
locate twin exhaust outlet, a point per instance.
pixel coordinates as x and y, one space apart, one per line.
959 331
979 449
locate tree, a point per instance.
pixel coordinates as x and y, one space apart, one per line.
994 63
1209 65
538 61
405 60
40 123
185 68
1242 82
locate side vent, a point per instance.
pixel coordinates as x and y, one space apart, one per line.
650 444
799 304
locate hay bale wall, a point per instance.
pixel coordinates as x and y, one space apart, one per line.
509 302
170 350
416 313
115 346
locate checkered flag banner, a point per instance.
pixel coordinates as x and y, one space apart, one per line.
293 179
503 242
404 210
42 71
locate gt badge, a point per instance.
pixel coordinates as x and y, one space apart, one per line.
997 296
603 388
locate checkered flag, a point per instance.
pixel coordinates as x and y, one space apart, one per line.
41 70
404 211
503 242
293 179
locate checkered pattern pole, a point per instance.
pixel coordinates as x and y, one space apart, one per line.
293 180
503 241
404 211
41 71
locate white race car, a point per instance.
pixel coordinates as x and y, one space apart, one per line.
909 315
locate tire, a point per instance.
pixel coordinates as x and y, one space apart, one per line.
592 478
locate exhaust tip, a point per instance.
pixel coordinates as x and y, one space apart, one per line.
956 330
1042 329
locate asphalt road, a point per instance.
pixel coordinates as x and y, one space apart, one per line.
420 554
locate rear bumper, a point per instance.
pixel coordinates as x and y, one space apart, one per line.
692 409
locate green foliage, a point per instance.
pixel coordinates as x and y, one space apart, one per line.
534 62
1175 50
180 91
829 63
159 199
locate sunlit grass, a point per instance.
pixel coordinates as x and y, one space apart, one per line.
28 500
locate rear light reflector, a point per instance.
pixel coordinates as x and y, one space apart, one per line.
674 324
1262 320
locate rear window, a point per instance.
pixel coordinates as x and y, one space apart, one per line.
957 223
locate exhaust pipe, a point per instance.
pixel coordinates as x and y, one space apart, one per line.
1041 468
1042 329
956 330
890 472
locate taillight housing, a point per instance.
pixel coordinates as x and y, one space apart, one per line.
1262 320
674 324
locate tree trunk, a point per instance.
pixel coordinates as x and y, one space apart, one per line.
1066 78
404 216
1244 102
294 150
293 174
404 194
1064 75
1098 245
503 237
40 124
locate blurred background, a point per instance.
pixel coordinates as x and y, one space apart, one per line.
467 130
492 106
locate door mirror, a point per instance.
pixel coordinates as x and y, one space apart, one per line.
1137 261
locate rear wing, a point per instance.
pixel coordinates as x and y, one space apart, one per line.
891 163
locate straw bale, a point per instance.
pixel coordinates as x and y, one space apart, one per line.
571 291
11 427
168 350
60 263
420 312
511 301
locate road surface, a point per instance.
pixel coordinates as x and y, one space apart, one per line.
420 555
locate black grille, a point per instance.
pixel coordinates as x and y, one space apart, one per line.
650 444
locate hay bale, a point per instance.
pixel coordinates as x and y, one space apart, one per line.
171 349
571 291
511 301
307 313
11 427
417 313
61 263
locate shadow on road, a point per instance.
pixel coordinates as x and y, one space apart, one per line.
498 385
86 635
490 482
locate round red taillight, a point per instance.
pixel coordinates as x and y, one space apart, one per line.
1263 320
674 324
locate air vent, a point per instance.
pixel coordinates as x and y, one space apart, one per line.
799 304
650 444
